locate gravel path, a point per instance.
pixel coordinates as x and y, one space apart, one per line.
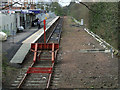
84 70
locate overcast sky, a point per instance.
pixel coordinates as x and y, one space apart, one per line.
62 2
67 2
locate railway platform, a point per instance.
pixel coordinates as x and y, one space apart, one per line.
18 58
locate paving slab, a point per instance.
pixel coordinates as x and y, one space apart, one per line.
21 53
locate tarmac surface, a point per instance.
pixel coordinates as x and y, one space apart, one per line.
10 47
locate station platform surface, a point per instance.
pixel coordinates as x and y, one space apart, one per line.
26 44
33 38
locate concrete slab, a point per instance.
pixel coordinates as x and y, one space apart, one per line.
21 53
25 47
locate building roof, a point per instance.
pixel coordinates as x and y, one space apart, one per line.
3 1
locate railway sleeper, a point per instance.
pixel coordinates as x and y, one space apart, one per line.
41 49
56 78
42 81
31 85
55 81
14 85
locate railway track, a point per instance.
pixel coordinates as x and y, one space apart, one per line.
41 73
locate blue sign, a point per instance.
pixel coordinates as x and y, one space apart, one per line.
24 11
32 11
35 11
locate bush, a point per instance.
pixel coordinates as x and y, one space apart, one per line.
7 32
105 24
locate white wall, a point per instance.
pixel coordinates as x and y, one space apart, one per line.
18 19
8 22
0 22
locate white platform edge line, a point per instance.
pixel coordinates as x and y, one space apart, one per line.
49 24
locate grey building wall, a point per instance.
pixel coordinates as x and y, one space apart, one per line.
25 20
18 19
8 23
1 22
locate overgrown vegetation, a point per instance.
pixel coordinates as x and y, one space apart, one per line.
6 31
79 12
7 70
57 8
105 24
4 64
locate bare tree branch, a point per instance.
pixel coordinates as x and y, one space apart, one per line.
11 5
88 7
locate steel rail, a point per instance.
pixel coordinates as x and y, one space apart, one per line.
60 32
49 79
50 75
52 32
24 77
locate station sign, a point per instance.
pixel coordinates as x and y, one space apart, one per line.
8 11
35 11
30 11
24 11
